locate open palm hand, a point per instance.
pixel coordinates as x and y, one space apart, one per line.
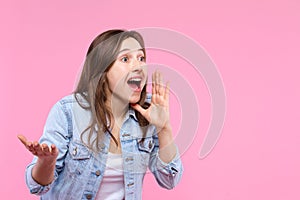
158 112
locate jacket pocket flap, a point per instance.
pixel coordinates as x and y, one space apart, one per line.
79 151
146 145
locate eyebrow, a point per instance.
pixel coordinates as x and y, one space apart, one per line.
129 50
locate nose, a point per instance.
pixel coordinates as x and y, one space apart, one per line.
136 65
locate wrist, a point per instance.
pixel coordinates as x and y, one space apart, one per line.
46 162
167 128
165 135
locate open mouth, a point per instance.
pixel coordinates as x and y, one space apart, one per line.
135 83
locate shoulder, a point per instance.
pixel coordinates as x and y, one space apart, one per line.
69 104
71 100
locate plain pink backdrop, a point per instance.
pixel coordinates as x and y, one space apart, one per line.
255 45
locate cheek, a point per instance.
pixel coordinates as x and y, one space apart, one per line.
145 71
116 80
112 82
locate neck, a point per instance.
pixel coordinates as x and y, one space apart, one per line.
118 107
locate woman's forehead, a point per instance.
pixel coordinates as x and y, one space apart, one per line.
130 44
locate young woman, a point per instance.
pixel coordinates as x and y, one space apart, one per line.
98 142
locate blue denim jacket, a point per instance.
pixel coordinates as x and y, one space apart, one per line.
79 171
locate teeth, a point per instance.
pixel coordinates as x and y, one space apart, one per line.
135 79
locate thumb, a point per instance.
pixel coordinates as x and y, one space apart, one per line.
139 108
22 138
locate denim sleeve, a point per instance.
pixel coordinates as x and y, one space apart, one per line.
56 131
169 174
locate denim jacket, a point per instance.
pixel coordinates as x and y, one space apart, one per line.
79 171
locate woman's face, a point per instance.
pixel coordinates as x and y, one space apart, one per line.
128 74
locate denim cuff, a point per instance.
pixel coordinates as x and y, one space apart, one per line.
173 167
34 187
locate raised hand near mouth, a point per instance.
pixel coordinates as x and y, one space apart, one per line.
158 112
158 115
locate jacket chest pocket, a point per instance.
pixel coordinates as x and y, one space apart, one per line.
78 158
146 145
144 149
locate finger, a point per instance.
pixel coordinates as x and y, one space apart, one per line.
23 139
53 150
167 92
35 144
139 109
153 84
157 82
29 146
37 147
32 150
155 99
160 83
45 149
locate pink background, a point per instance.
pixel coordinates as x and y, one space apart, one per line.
255 45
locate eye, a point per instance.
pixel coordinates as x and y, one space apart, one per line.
142 58
124 59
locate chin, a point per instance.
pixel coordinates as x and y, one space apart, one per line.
134 99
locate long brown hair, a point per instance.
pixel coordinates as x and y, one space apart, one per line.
93 83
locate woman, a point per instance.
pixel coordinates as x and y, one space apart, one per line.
98 142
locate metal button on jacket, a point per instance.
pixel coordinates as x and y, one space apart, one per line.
74 151
130 184
150 145
128 159
126 135
89 196
98 173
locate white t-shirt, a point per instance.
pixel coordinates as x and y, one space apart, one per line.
112 186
